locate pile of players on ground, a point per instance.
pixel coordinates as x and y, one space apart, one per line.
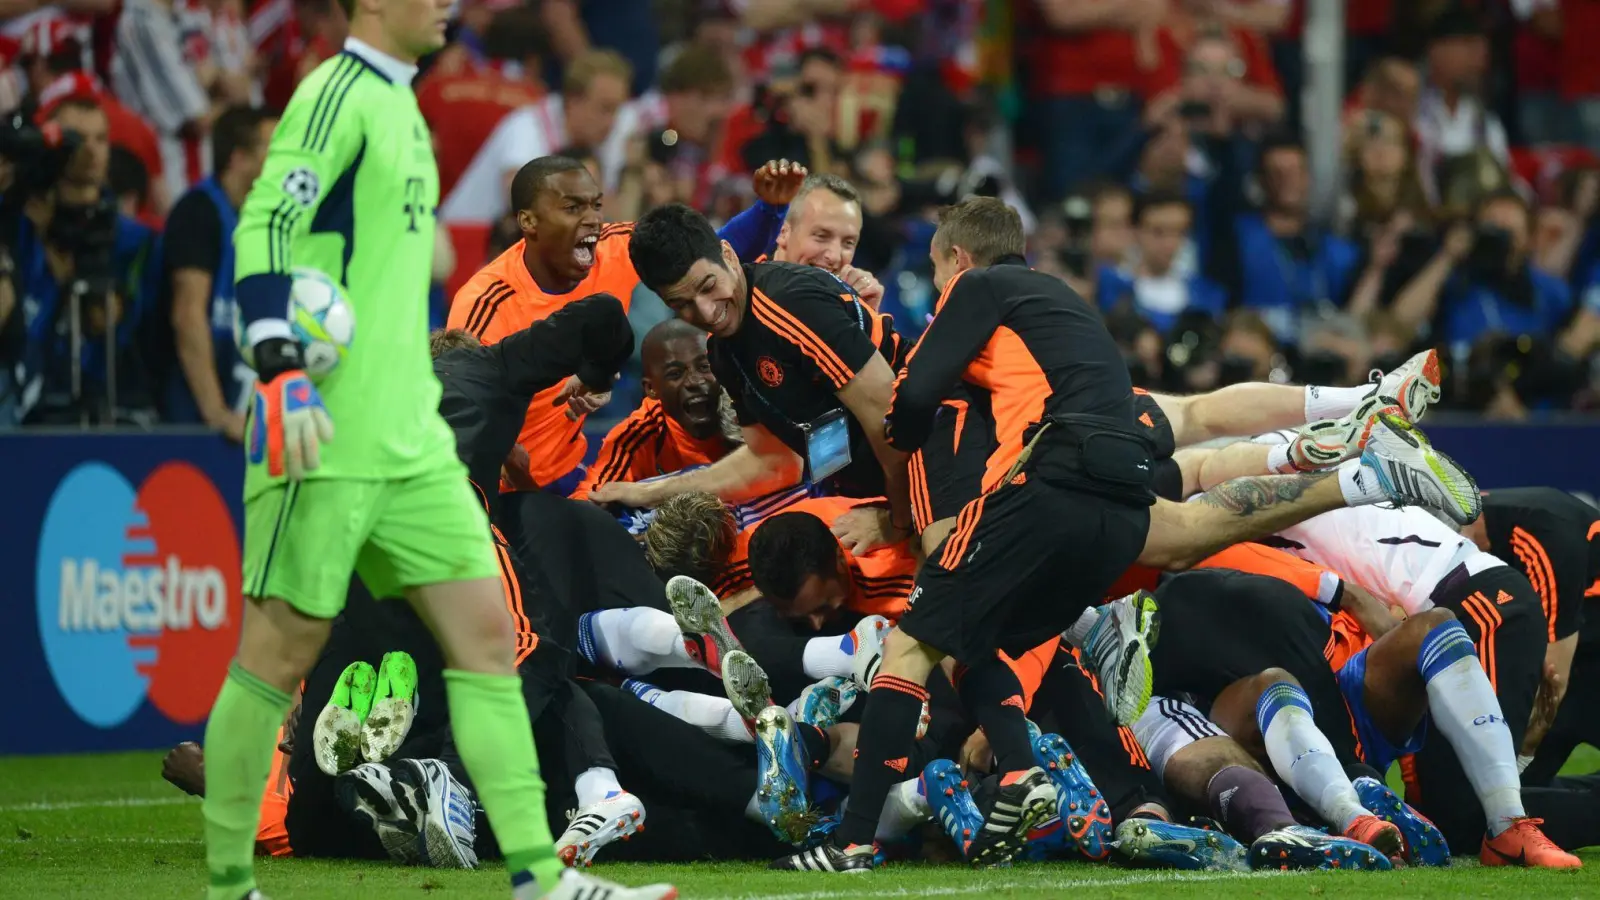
705 658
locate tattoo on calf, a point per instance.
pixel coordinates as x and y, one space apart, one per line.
1247 496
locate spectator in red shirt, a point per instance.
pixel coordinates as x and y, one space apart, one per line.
315 32
1092 61
1542 117
1580 68
1228 69
464 101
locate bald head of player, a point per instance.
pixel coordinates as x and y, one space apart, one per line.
697 274
678 373
557 204
978 231
823 225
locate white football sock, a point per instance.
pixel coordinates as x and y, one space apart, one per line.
637 640
904 809
1323 402
1303 757
1278 460
826 656
594 785
1359 484
713 715
1464 708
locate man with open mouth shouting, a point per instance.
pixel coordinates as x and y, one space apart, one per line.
568 252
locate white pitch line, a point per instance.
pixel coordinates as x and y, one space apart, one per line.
983 887
48 806
50 839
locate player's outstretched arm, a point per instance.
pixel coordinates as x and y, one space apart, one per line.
591 338
963 322
763 465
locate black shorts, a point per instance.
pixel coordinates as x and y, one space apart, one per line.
1021 564
1218 626
1069 704
1166 478
947 472
573 557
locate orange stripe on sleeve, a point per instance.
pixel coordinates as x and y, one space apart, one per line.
791 329
1540 573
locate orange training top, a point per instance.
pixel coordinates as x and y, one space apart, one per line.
646 444
881 579
503 298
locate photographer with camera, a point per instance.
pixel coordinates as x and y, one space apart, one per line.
1479 282
76 261
201 377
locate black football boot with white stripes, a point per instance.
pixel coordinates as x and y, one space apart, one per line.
825 857
1011 809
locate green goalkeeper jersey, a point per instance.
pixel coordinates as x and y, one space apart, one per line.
349 188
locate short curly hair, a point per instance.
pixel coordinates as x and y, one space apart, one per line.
691 534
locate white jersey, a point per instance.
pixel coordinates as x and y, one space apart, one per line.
1399 555
527 133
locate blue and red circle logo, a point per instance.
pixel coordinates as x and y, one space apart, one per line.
138 592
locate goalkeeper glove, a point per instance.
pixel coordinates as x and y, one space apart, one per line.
288 422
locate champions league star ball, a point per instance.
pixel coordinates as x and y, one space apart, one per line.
321 320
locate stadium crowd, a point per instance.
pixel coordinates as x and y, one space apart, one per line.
945 315
1153 149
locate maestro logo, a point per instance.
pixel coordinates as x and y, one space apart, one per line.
138 592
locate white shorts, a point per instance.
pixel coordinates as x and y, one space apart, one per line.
1168 726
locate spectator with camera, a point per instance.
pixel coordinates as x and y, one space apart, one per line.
1480 282
52 55
799 115
197 366
1155 290
77 264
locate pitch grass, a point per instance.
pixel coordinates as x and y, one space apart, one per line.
106 827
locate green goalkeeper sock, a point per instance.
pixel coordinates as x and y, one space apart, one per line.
239 747
495 739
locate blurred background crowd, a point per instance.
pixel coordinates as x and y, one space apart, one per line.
1248 189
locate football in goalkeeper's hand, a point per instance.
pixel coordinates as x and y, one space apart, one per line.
321 319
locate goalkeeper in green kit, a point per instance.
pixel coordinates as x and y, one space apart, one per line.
349 189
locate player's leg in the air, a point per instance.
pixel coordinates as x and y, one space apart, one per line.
1256 407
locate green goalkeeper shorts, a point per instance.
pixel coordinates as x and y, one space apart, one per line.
303 540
